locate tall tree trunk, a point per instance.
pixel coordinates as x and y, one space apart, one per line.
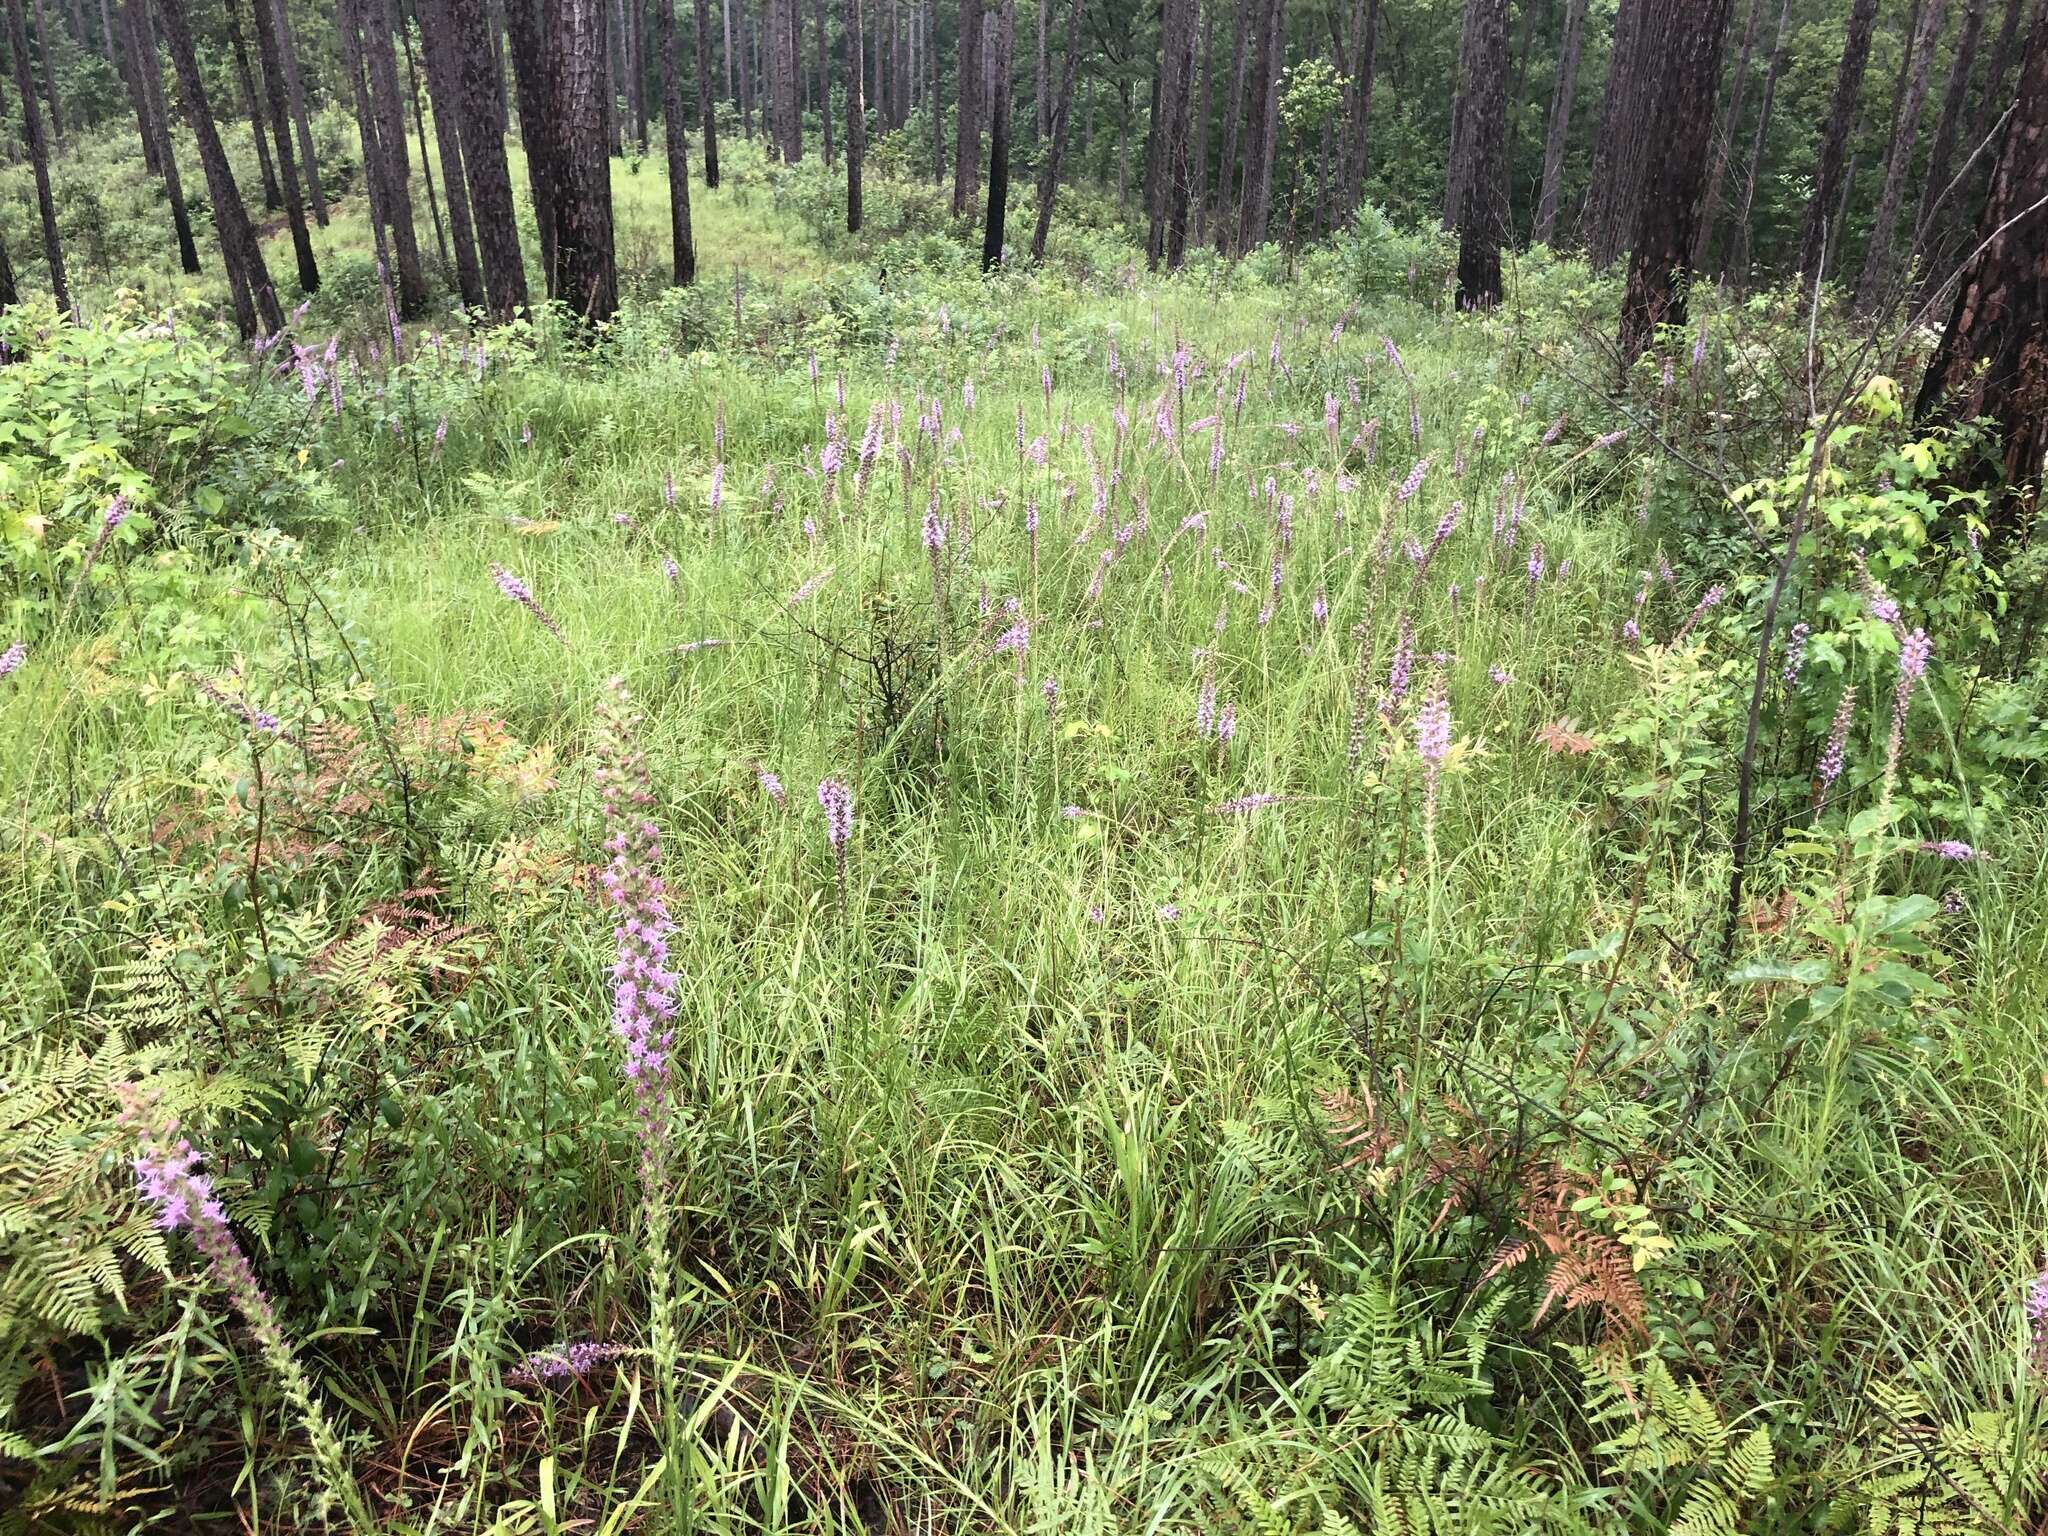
419 129
387 101
136 14
1358 136
281 127
1482 215
465 33
1934 193
856 115
586 276
1456 158
731 89
49 65
1993 358
1995 97
1687 36
1729 124
295 91
131 78
900 21
1559 134
1169 155
788 79
1262 117
614 78
824 79
707 104
677 140
967 140
1179 171
273 195
38 150
530 83
1041 109
1062 121
746 75
1227 178
999 139
1620 153
1834 140
931 90
1744 226
374 191
255 300
444 84
1877 261
1198 137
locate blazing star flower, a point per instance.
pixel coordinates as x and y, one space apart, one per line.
1952 850
1709 599
577 1360
1226 724
1499 676
2037 1319
1071 813
1556 431
1829 768
934 532
1609 439
835 799
1247 803
12 658
809 589
1319 608
1169 913
1412 484
1017 639
1536 565
1795 653
771 785
717 485
519 592
1402 667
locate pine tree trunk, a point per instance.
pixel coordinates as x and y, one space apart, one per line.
1358 134
49 73
479 94
1227 178
1876 285
295 90
586 276
931 91
967 140
1459 153
10 291
444 85
1061 124
1729 124
1996 96
255 300
1262 119
419 130
825 130
1559 134
387 101
1198 137
746 80
1743 224
273 195
281 127
530 77
142 38
1687 36
1935 196
999 140
1834 140
1168 156
1178 186
131 78
1620 153
1482 213
731 89
38 150
614 78
899 32
707 104
789 72
856 115
677 140
1993 358
1041 109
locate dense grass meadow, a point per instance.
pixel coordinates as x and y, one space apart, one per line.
1158 851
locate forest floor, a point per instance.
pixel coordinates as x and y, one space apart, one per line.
1269 1050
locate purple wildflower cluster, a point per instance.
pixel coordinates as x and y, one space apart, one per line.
521 594
576 1360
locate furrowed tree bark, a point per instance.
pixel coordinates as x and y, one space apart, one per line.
967 138
536 126
614 79
1996 96
1728 125
142 39
444 84
1739 264
281 127
387 101
1877 262
1559 133
255 300
1687 36
707 102
1198 134
475 97
1062 120
1941 159
1482 216
273 195
1169 156
1226 168
419 130
999 140
1458 153
681 237
1180 171
586 275
1828 176
295 91
856 116
38 151
1621 150
1262 120
931 91
1993 358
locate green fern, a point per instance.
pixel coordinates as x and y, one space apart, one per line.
1927 1478
1670 1436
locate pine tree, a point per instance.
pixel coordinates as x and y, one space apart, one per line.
1559 132
1828 177
1482 210
586 274
682 238
38 151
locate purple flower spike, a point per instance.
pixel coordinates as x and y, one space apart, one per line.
521 594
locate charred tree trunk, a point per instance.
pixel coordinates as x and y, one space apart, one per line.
586 276
255 300
38 151
444 84
1996 95
142 38
1730 124
530 77
1482 215
999 139
1993 358
273 195
281 127
1620 151
1687 35
1461 85
1834 140
1876 283
856 116
677 142
295 92
1559 134
967 141
1062 121
485 171
707 103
